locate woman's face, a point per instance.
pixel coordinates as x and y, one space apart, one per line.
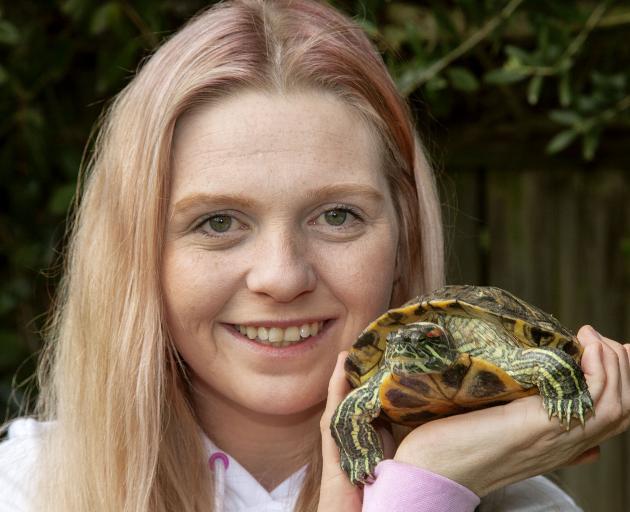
280 225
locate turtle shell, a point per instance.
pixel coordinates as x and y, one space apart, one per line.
469 347
529 326
471 383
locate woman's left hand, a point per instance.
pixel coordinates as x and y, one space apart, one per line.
490 448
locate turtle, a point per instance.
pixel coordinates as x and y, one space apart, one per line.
458 348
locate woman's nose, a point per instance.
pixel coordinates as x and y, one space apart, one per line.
280 269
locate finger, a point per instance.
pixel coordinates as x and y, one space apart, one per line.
612 410
611 400
589 456
623 353
623 360
336 491
592 362
613 372
338 388
389 445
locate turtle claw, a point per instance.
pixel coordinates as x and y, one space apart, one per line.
566 408
358 470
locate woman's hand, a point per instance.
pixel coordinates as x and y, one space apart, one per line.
490 448
336 491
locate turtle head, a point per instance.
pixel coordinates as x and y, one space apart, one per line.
421 347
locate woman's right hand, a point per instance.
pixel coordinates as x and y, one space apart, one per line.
490 448
336 493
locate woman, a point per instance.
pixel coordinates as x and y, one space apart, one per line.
256 197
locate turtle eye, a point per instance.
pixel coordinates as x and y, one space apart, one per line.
434 333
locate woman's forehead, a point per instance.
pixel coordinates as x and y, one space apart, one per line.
306 137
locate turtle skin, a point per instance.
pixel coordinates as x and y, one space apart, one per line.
456 349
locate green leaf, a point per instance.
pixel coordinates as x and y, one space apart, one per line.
437 83
408 80
543 40
590 141
74 8
518 55
443 19
561 141
505 76
533 90
462 79
105 17
612 81
564 90
4 76
394 36
566 117
369 27
8 33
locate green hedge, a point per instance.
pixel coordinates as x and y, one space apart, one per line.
511 69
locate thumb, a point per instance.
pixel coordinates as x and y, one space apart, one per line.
338 388
592 361
336 493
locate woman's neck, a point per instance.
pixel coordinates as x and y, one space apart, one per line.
270 447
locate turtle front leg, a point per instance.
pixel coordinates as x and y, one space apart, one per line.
560 382
360 446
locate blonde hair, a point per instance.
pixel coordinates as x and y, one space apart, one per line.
125 437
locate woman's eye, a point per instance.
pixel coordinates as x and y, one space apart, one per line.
220 223
339 217
335 217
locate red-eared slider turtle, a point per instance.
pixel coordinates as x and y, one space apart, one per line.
453 350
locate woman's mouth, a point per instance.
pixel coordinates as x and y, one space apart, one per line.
280 337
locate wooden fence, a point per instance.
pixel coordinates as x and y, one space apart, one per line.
559 238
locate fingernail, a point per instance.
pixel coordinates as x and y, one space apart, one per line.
594 332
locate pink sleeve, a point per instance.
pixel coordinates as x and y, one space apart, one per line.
401 487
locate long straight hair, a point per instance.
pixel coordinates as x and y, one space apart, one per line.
125 437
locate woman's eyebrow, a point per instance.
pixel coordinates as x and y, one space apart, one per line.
319 194
344 189
196 200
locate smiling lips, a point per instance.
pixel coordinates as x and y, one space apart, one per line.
278 337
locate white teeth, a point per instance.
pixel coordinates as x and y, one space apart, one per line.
275 335
292 334
280 337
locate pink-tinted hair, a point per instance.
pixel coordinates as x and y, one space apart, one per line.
125 434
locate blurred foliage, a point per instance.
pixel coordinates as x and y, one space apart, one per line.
501 68
561 67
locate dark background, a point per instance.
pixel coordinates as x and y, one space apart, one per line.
524 106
